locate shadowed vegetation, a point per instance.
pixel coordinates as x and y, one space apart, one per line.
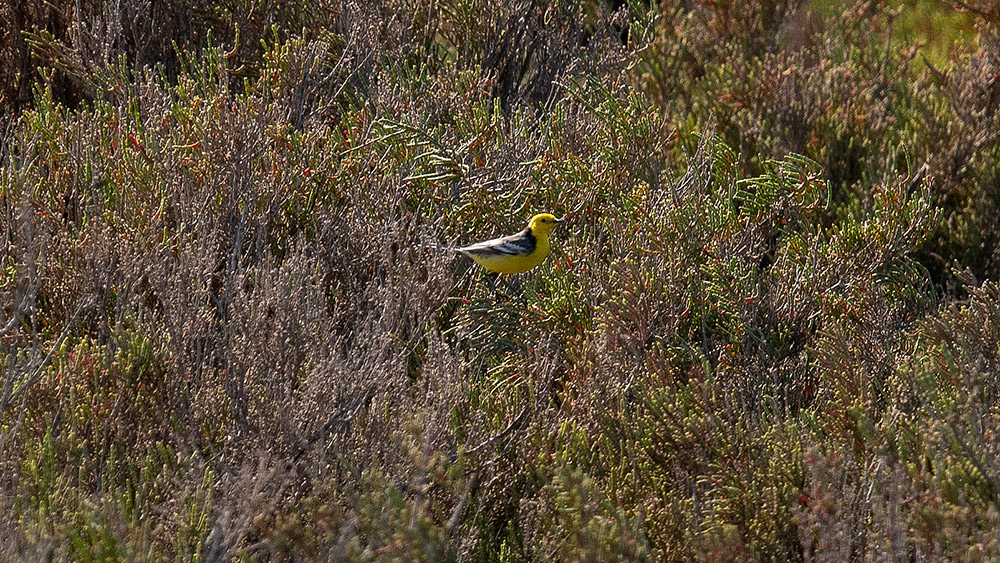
768 330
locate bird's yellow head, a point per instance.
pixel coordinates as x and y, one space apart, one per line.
542 223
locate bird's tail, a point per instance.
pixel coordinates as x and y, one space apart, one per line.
436 246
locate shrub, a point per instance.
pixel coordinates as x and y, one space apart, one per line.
230 332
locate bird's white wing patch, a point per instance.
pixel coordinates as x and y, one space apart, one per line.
512 246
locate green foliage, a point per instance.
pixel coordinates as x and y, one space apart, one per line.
230 332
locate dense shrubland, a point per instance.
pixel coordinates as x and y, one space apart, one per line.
768 331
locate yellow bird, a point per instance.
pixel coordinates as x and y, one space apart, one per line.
516 253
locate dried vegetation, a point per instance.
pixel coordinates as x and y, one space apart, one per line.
764 333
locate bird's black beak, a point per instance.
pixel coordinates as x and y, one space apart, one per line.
561 220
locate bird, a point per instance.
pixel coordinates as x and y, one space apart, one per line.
517 253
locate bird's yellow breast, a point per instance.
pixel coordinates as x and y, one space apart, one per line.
514 264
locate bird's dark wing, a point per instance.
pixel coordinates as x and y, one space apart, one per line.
521 244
